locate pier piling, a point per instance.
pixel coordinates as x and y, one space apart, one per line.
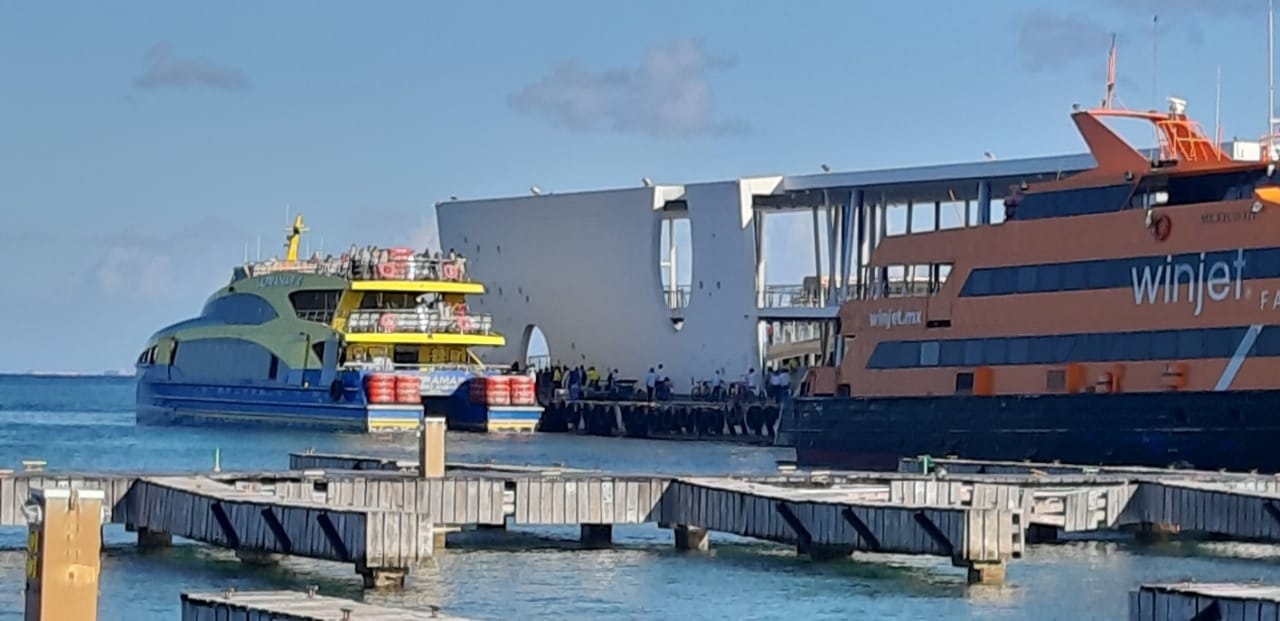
64 545
692 538
431 449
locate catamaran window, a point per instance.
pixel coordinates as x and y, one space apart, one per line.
1078 202
315 305
227 359
240 309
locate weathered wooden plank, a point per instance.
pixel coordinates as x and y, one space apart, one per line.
290 606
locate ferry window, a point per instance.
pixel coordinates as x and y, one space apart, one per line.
1050 277
993 351
240 309
1164 345
943 271
1096 276
274 369
1221 342
1137 346
1019 350
1091 347
951 353
315 305
979 282
1268 343
1190 344
1062 347
964 383
1027 279
973 352
1055 380
1073 277
929 351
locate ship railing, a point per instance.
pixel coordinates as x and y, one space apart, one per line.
409 268
677 297
321 316
413 321
384 365
800 296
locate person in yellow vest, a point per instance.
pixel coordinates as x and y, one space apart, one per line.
593 378
555 376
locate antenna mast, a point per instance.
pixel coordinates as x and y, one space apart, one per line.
1155 56
1271 78
1111 76
1217 110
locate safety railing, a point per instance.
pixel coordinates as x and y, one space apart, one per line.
395 321
321 316
414 267
385 365
677 297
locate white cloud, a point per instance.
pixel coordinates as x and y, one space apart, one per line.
667 95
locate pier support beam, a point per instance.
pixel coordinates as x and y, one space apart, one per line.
431 447
986 572
596 535
64 547
383 577
153 540
1152 532
1042 533
691 538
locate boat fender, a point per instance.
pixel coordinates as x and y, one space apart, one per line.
388 322
1161 227
336 389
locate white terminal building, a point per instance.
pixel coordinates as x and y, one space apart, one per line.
595 272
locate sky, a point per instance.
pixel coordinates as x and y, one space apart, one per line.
145 145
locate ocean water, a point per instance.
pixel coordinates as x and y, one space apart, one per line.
87 424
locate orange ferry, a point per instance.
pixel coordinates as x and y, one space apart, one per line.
1125 314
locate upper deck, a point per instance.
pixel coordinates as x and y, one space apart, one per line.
398 269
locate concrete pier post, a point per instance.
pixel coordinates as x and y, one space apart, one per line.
986 572
383 577
596 535
64 546
153 540
431 447
691 538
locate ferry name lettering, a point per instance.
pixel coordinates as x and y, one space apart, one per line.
1161 282
280 280
1227 217
889 319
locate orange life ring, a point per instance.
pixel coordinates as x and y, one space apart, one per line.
1161 227
387 270
450 271
388 322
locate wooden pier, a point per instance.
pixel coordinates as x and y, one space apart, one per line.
384 516
292 606
1208 602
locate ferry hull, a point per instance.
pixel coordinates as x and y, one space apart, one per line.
161 402
1206 430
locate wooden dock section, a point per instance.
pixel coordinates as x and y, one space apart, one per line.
382 544
292 606
1204 601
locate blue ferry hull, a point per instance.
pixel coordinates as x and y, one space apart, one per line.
161 401
1206 430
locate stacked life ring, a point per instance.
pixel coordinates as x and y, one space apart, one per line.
1161 227
387 271
387 322
450 271
461 319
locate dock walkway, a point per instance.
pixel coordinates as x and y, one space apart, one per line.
292 606
1207 601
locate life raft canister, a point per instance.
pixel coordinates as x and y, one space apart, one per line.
388 322
1161 227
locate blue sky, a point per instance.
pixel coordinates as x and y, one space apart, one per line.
143 144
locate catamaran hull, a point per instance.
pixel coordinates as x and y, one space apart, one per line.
1207 430
162 402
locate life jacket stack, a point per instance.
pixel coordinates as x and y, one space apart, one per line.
408 388
380 388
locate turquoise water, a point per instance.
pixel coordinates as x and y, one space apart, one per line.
87 424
